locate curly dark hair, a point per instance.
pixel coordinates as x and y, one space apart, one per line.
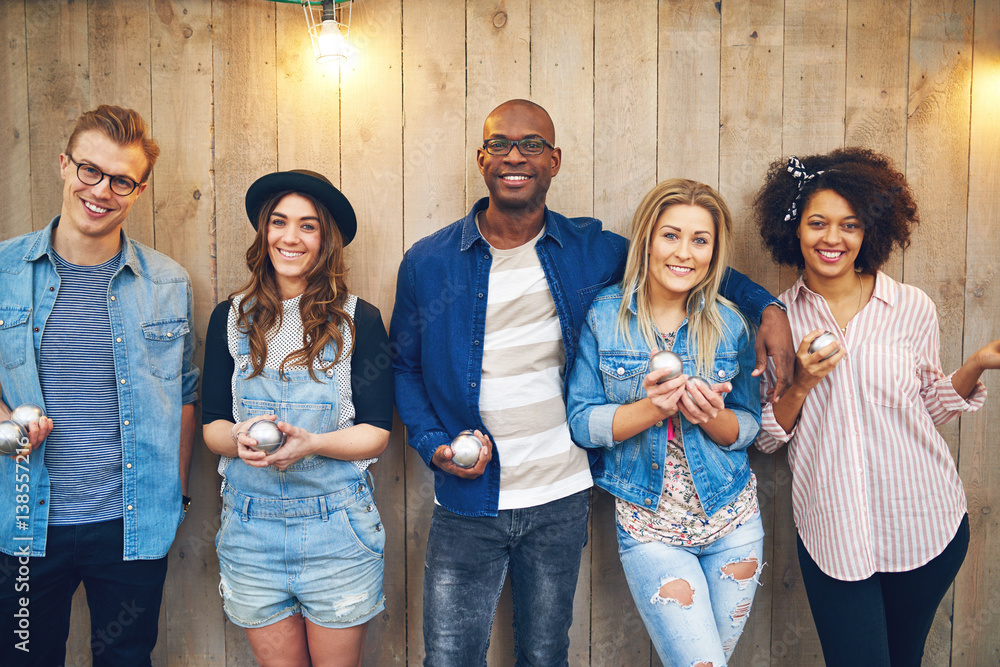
869 182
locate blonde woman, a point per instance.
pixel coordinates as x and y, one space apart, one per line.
673 453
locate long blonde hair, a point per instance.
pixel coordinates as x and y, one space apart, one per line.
705 324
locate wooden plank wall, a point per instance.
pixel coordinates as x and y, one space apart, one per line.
640 91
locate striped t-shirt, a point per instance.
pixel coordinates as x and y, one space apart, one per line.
76 367
521 400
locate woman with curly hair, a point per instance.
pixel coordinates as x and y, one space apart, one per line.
300 545
878 504
673 450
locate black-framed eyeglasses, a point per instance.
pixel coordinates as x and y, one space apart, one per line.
529 146
88 174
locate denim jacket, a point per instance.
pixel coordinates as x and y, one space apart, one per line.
439 321
609 373
150 304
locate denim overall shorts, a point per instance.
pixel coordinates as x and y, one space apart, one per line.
307 539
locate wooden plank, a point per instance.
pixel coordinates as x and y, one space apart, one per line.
813 122
976 635
57 95
119 75
562 81
878 43
245 148
689 58
750 137
434 165
180 37
624 110
937 168
624 152
308 96
493 27
15 187
372 168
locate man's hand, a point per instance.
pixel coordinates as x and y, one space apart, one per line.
443 454
37 432
774 339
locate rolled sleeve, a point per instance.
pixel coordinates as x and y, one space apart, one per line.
772 436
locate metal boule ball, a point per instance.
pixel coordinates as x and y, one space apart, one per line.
27 413
12 438
822 341
267 434
669 360
697 379
465 449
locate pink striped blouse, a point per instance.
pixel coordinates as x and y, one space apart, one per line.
875 488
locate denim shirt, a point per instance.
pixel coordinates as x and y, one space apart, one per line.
150 307
609 373
439 322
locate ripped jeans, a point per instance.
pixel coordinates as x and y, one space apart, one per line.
707 607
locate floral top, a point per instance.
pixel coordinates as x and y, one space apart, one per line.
679 519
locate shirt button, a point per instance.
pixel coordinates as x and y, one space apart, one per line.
378 528
647 501
128 465
128 507
620 371
243 366
126 422
170 335
658 424
52 289
656 466
473 385
113 298
329 372
722 373
118 340
36 329
481 295
476 343
369 508
1 323
123 380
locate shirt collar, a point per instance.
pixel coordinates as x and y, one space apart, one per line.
470 231
42 247
886 290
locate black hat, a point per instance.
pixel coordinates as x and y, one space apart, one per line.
306 182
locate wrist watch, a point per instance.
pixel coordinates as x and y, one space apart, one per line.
186 503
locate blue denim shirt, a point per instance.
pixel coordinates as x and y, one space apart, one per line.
150 304
439 321
609 373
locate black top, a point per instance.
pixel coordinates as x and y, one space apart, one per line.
371 369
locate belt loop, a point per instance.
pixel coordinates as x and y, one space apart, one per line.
246 508
322 509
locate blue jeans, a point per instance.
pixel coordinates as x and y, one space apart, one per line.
467 561
703 621
123 596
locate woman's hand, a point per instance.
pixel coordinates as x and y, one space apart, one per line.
965 378
664 396
812 367
299 443
246 447
702 403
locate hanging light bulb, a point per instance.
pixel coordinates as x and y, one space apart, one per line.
330 38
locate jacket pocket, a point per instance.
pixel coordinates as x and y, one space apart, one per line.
726 367
165 346
622 374
13 335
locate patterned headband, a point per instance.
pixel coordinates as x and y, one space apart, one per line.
801 176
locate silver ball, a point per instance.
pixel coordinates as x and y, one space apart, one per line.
12 438
267 434
25 414
822 341
465 449
670 361
697 379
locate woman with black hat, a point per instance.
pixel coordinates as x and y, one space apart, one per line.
300 545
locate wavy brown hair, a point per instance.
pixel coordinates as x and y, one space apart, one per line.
321 305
